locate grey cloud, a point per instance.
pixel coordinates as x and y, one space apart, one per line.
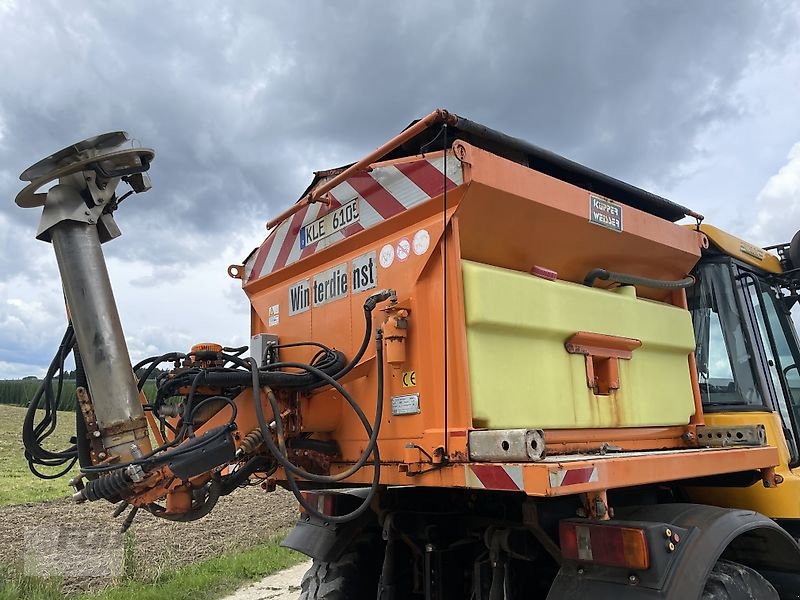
241 101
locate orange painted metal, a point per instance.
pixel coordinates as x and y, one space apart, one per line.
155 430
551 477
507 215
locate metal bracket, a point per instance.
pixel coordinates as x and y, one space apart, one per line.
507 445
722 437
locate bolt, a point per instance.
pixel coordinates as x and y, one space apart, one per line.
101 455
599 507
633 579
581 571
87 213
96 434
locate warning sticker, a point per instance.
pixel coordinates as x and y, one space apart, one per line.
409 378
387 256
422 241
403 249
274 316
605 213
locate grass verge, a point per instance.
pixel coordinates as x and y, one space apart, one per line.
203 580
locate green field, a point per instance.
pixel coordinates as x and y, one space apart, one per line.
19 485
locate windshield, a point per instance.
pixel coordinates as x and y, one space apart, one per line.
724 352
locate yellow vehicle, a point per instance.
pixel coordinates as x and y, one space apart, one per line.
484 370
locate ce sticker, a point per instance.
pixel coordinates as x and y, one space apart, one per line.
409 378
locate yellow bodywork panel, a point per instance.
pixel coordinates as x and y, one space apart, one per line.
782 502
521 375
744 251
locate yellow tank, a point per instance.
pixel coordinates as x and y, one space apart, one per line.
523 376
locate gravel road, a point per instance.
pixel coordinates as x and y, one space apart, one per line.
284 585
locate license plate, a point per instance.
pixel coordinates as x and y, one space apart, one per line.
326 226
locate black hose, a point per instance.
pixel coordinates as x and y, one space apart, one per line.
292 470
213 492
271 377
34 434
243 473
627 279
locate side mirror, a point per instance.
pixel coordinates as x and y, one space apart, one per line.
794 251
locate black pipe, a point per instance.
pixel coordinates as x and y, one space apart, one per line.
626 279
276 379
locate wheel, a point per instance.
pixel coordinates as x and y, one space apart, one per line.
732 581
353 577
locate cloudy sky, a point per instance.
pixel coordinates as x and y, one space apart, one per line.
695 100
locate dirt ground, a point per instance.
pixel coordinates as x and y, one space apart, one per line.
152 545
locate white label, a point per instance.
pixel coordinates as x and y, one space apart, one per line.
407 404
299 297
330 285
422 241
334 221
403 249
364 273
387 256
274 315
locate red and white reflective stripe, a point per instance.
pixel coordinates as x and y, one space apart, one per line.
494 477
381 193
561 477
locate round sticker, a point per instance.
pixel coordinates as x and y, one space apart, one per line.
387 256
422 240
403 249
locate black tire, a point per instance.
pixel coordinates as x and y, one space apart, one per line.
353 577
732 581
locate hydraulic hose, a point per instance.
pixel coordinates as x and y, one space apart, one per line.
291 470
214 491
272 377
627 279
33 433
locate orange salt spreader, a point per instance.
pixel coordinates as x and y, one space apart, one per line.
485 371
